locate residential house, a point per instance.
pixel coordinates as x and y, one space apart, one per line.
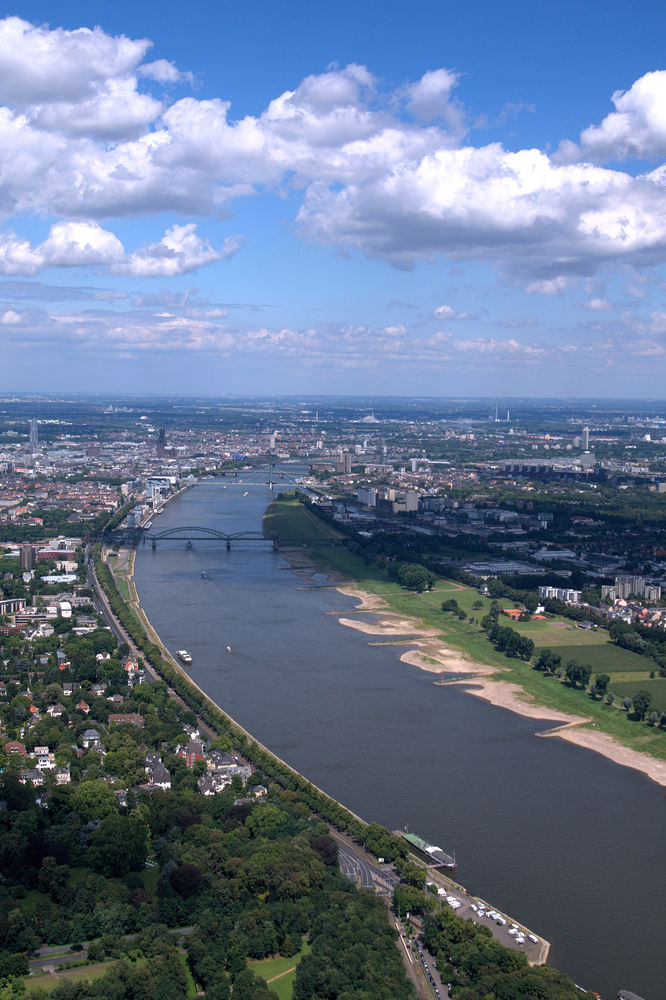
44 761
31 774
219 758
207 786
158 776
191 752
90 738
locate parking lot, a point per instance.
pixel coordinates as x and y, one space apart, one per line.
503 928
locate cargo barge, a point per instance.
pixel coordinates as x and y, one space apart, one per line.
437 857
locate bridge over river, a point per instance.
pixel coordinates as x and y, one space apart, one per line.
195 533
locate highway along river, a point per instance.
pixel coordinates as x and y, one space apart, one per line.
565 841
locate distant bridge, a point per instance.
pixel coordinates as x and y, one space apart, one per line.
195 533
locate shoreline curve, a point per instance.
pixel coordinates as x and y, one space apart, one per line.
429 653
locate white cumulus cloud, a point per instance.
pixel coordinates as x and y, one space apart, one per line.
383 173
180 251
448 312
163 71
598 305
87 244
637 127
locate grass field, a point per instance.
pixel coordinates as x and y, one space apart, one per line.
123 587
606 658
656 687
49 981
289 519
270 968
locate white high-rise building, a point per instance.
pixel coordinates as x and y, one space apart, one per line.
34 434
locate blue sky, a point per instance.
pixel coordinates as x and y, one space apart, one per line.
333 197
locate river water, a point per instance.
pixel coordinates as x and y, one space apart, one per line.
563 840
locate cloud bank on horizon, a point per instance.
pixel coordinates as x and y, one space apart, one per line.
92 134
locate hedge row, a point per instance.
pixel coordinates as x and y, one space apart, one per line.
265 761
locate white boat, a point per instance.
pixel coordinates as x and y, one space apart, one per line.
246 494
184 656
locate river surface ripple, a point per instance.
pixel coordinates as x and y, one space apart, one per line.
558 837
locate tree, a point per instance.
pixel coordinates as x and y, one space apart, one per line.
265 818
52 694
247 986
413 576
186 880
408 899
642 701
93 800
577 674
326 848
601 682
531 603
547 661
119 846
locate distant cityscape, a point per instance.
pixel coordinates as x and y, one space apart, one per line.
504 490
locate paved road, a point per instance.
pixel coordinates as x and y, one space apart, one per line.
51 956
361 868
102 605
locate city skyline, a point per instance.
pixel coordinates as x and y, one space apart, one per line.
333 201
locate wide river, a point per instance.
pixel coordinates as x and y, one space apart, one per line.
560 838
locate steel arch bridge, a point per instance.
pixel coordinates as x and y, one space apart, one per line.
195 533
189 534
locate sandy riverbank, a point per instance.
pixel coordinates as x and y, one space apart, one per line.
430 653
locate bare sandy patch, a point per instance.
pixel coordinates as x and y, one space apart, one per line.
447 660
388 626
504 694
604 744
367 602
573 728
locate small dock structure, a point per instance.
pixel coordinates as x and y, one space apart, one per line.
435 855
